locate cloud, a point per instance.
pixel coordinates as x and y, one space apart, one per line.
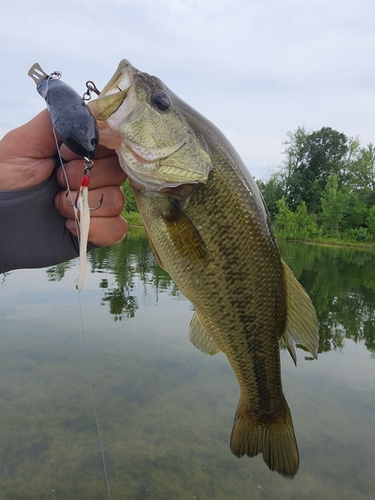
255 68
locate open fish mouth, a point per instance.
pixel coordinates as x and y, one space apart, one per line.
114 93
134 111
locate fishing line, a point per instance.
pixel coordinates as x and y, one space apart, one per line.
92 399
84 345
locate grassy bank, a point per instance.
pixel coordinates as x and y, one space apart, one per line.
329 242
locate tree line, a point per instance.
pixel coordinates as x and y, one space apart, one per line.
324 188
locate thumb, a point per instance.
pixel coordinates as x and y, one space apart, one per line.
27 154
33 140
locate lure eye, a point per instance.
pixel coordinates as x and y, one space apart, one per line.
160 100
94 143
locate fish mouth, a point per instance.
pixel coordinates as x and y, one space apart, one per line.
110 100
151 164
114 93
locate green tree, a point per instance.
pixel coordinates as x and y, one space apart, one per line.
333 203
370 220
361 174
311 159
295 225
306 227
272 191
295 145
326 179
355 212
285 219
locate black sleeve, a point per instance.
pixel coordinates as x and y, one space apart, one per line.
32 232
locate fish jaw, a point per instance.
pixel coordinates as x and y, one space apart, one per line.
156 147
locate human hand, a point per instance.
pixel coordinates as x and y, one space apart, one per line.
28 157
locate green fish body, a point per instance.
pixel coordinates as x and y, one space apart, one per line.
210 230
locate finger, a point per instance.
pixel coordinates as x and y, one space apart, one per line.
105 172
110 198
104 231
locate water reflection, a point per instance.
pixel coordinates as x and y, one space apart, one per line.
340 281
130 261
165 409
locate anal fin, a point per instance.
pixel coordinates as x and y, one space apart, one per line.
200 338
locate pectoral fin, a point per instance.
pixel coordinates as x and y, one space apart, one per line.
184 235
200 338
302 325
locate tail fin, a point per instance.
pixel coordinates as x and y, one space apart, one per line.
275 440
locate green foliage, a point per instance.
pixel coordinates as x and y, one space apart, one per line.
133 218
311 159
130 211
297 225
130 203
324 189
370 220
272 191
333 204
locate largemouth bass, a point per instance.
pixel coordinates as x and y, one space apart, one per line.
210 230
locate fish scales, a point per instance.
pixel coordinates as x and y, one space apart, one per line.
237 272
209 228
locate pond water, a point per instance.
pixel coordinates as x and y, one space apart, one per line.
165 409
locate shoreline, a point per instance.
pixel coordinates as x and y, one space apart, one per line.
360 246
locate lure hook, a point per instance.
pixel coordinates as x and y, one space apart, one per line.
72 205
99 204
87 167
75 204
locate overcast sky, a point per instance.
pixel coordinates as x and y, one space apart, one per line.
256 68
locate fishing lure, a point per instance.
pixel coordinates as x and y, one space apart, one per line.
76 127
81 206
70 116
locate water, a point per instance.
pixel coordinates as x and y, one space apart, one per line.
165 409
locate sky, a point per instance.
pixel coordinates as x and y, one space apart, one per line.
255 68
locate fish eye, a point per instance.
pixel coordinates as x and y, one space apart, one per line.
160 100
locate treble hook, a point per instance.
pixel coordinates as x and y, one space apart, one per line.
75 204
87 167
99 204
72 205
